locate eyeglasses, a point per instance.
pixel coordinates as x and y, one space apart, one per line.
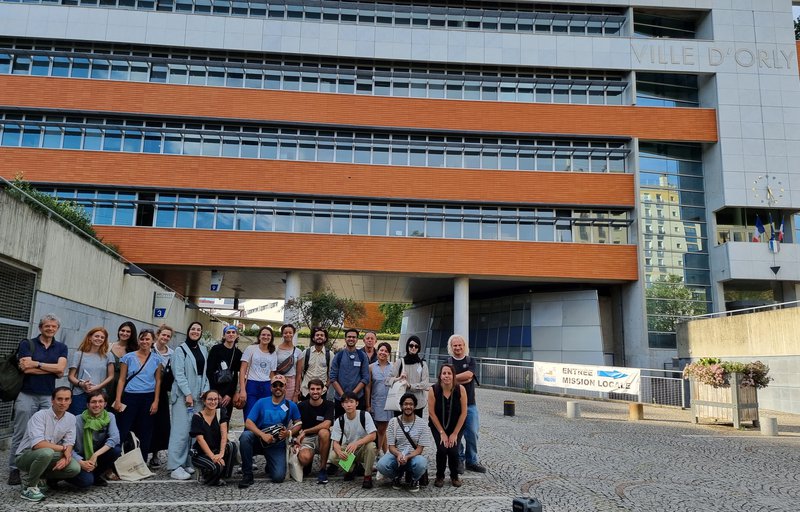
277 385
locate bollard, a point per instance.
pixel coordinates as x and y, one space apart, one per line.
635 412
509 408
769 425
573 410
526 505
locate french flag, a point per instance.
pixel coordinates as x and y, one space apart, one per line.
759 230
780 231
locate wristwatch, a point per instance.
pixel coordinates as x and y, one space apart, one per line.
39 365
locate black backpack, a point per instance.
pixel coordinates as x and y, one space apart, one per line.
11 376
363 416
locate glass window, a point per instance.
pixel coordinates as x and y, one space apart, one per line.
31 136
52 137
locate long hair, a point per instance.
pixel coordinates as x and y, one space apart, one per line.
271 344
86 344
132 345
450 344
452 370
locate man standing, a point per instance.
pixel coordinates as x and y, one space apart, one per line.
41 367
407 435
350 372
465 375
315 363
45 451
370 339
316 416
266 430
354 433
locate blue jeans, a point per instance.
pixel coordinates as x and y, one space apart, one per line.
78 404
471 426
389 467
25 406
256 390
250 445
104 462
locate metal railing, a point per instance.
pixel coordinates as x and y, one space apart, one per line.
659 387
754 309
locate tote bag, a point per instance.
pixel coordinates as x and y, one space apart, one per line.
293 463
394 395
130 465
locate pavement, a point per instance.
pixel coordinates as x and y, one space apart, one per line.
599 462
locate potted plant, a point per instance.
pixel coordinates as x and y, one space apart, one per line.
726 390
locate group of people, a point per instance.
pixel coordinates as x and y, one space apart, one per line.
295 403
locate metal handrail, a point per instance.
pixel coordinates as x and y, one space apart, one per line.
777 305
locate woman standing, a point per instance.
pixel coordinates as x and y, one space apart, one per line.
288 357
258 363
212 452
138 391
97 443
224 360
414 370
91 368
127 341
447 414
161 419
189 368
379 372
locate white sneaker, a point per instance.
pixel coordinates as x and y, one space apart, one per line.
189 469
180 474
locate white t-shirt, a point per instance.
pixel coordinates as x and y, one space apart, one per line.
283 354
353 431
260 363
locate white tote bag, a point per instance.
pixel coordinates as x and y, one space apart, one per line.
395 393
130 465
293 463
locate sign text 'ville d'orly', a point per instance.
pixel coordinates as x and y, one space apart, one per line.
713 56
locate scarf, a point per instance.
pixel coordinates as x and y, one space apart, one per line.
92 424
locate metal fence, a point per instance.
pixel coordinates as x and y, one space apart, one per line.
659 387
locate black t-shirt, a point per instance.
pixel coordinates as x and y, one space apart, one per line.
464 365
211 433
216 356
312 416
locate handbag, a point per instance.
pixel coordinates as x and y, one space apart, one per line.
130 465
393 396
285 366
225 375
11 376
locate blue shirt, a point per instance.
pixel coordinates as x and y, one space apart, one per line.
41 384
266 413
348 369
145 381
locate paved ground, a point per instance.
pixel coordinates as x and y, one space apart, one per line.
600 462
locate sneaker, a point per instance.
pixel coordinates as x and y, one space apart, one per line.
476 468
180 474
367 484
456 482
461 467
246 481
322 477
396 485
414 487
189 469
349 476
32 494
439 482
154 462
14 478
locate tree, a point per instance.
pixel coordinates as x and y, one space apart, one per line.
325 309
669 301
797 28
392 316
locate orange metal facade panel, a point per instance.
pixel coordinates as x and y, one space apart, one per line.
675 124
346 180
419 256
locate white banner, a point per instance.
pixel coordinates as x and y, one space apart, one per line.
606 379
161 303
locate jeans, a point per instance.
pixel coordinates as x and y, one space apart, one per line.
78 404
389 467
275 453
25 406
104 463
256 390
471 426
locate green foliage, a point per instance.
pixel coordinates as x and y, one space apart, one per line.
668 301
797 28
393 316
325 309
72 214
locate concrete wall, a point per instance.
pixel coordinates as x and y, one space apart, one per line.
768 336
79 282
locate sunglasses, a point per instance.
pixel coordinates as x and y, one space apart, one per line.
277 385
413 345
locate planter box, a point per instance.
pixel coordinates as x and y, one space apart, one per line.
731 404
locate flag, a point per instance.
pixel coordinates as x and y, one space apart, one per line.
759 230
771 227
780 232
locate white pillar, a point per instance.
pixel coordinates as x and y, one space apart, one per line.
292 292
461 307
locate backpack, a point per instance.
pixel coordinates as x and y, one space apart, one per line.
363 417
11 377
308 358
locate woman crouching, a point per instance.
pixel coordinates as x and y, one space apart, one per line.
212 453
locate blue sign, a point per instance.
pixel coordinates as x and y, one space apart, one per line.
160 312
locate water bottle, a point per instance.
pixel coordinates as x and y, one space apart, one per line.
190 409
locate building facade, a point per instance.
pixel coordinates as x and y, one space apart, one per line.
561 181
